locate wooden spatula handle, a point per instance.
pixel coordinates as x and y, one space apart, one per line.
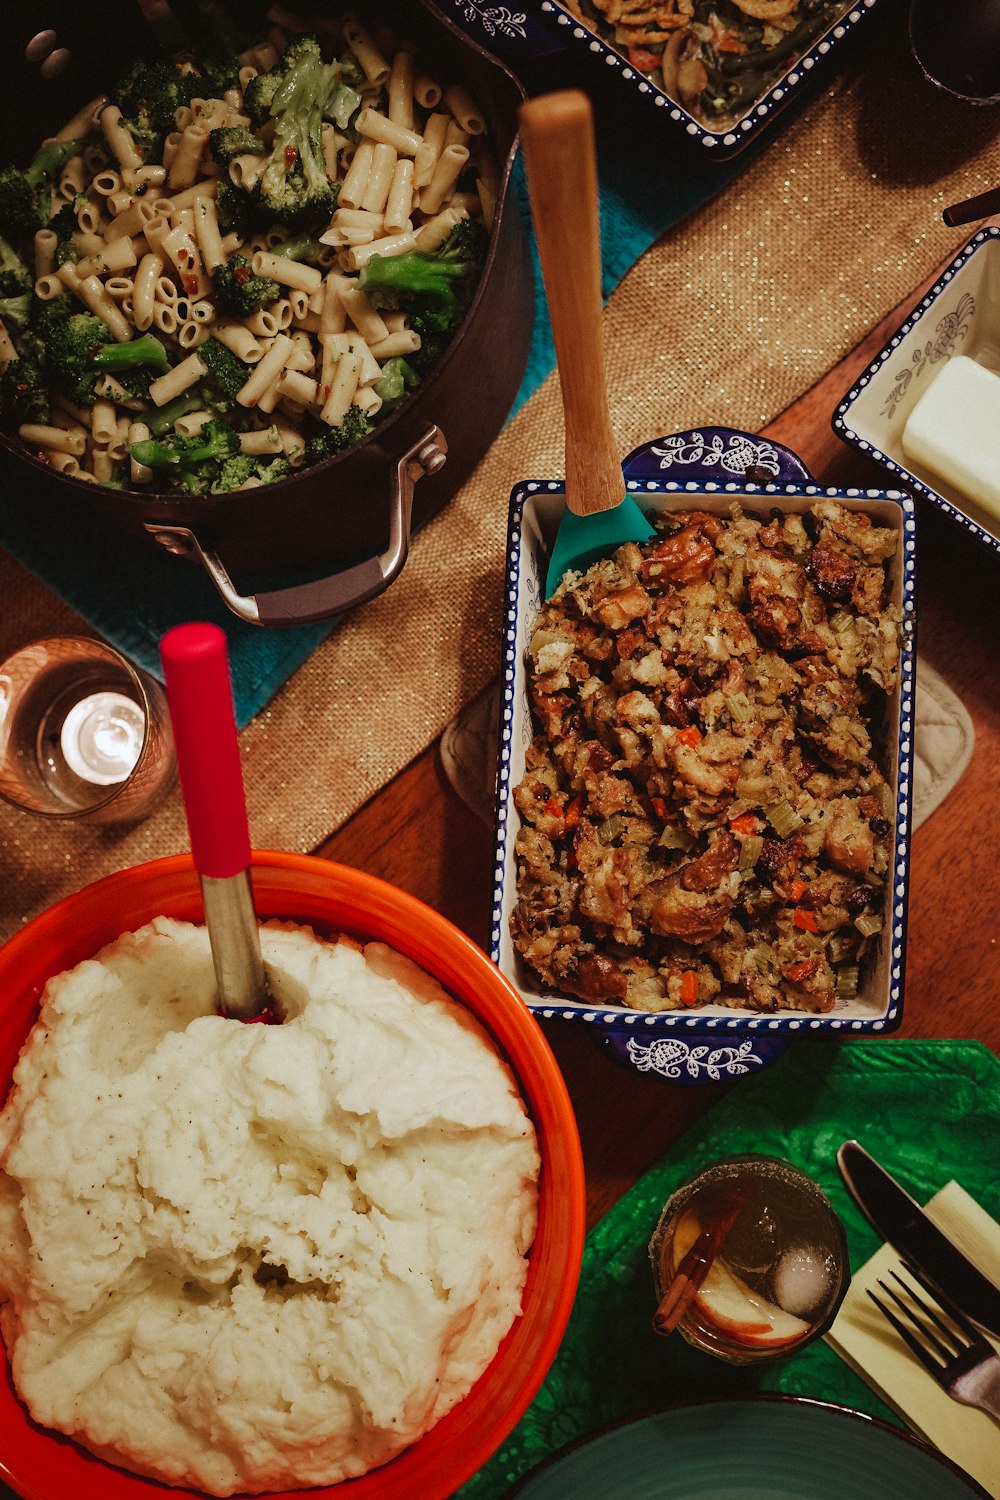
557 132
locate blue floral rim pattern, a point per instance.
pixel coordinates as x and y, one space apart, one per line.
696 1048
544 26
899 472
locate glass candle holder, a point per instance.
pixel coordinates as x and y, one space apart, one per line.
83 733
750 1259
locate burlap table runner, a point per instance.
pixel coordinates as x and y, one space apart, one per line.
726 319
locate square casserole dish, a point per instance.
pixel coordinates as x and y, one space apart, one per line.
959 315
520 35
713 1042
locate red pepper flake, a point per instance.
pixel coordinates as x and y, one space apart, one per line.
241 274
745 825
190 284
689 987
805 920
290 155
690 736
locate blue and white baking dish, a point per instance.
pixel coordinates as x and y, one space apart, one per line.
959 315
521 34
704 469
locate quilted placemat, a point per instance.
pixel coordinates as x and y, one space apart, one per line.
929 1110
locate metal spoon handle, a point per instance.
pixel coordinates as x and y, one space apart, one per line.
199 692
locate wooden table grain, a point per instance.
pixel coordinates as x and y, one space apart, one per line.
418 834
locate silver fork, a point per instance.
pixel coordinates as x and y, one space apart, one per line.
959 1357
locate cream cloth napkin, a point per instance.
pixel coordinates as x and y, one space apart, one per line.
863 1338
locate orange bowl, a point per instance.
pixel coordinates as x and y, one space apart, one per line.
40 1464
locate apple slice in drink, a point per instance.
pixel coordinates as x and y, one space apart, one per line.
728 1304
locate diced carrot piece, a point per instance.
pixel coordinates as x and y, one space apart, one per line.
689 987
744 825
805 920
797 890
690 736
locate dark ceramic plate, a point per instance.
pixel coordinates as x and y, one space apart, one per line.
783 1449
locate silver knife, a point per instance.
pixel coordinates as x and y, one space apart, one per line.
904 1224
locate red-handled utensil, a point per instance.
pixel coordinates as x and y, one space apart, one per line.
200 696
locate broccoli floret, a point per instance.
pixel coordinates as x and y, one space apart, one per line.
227 141
15 278
236 471
163 418
294 186
65 224
238 291
395 383
24 391
77 351
226 376
298 247
434 287
236 209
25 198
322 440
259 94
15 312
215 443
343 101
148 94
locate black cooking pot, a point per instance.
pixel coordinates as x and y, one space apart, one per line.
350 516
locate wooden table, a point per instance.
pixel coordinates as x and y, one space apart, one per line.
418 834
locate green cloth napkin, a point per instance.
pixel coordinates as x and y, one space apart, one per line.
928 1110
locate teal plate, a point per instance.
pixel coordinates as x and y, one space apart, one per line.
780 1448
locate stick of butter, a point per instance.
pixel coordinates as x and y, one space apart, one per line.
954 430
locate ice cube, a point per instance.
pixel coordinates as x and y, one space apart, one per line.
801 1280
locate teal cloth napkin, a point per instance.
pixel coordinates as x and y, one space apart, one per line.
131 593
928 1110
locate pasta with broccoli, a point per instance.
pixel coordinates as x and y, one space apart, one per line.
224 271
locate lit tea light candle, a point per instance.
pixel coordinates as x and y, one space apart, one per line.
101 737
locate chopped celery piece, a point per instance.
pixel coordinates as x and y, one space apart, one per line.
842 946
673 837
885 799
847 982
750 851
609 830
868 924
783 818
740 707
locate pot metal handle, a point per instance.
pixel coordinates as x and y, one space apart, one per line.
322 599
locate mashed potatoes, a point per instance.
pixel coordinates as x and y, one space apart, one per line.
243 1258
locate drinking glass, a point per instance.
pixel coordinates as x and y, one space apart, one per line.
83 733
750 1258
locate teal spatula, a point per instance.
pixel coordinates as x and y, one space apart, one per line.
557 132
